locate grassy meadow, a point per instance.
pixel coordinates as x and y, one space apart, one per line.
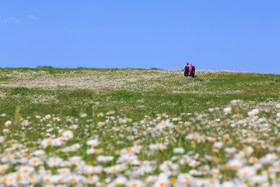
136 127
132 92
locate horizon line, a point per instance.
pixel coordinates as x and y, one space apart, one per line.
152 68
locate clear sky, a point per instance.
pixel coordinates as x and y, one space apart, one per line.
236 35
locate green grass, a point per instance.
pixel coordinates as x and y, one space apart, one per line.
153 91
153 111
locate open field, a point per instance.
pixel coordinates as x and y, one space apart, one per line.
128 127
129 91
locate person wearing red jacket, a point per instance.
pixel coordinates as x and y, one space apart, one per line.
192 70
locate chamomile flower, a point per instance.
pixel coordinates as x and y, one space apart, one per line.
253 112
235 164
26 170
54 161
120 181
3 168
47 142
185 179
67 134
246 172
8 123
39 153
93 142
227 110
35 161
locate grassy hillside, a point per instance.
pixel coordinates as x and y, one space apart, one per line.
138 128
130 91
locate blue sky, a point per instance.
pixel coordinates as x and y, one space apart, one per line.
236 35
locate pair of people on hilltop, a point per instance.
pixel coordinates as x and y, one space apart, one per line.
189 70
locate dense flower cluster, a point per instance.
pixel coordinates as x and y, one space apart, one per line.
224 147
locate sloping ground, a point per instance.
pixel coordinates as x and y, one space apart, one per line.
194 133
71 91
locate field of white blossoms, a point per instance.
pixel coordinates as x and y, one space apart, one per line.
138 128
221 147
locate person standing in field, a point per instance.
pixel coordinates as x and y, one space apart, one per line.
186 70
192 71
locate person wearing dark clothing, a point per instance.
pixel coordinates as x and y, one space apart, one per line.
192 71
186 70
